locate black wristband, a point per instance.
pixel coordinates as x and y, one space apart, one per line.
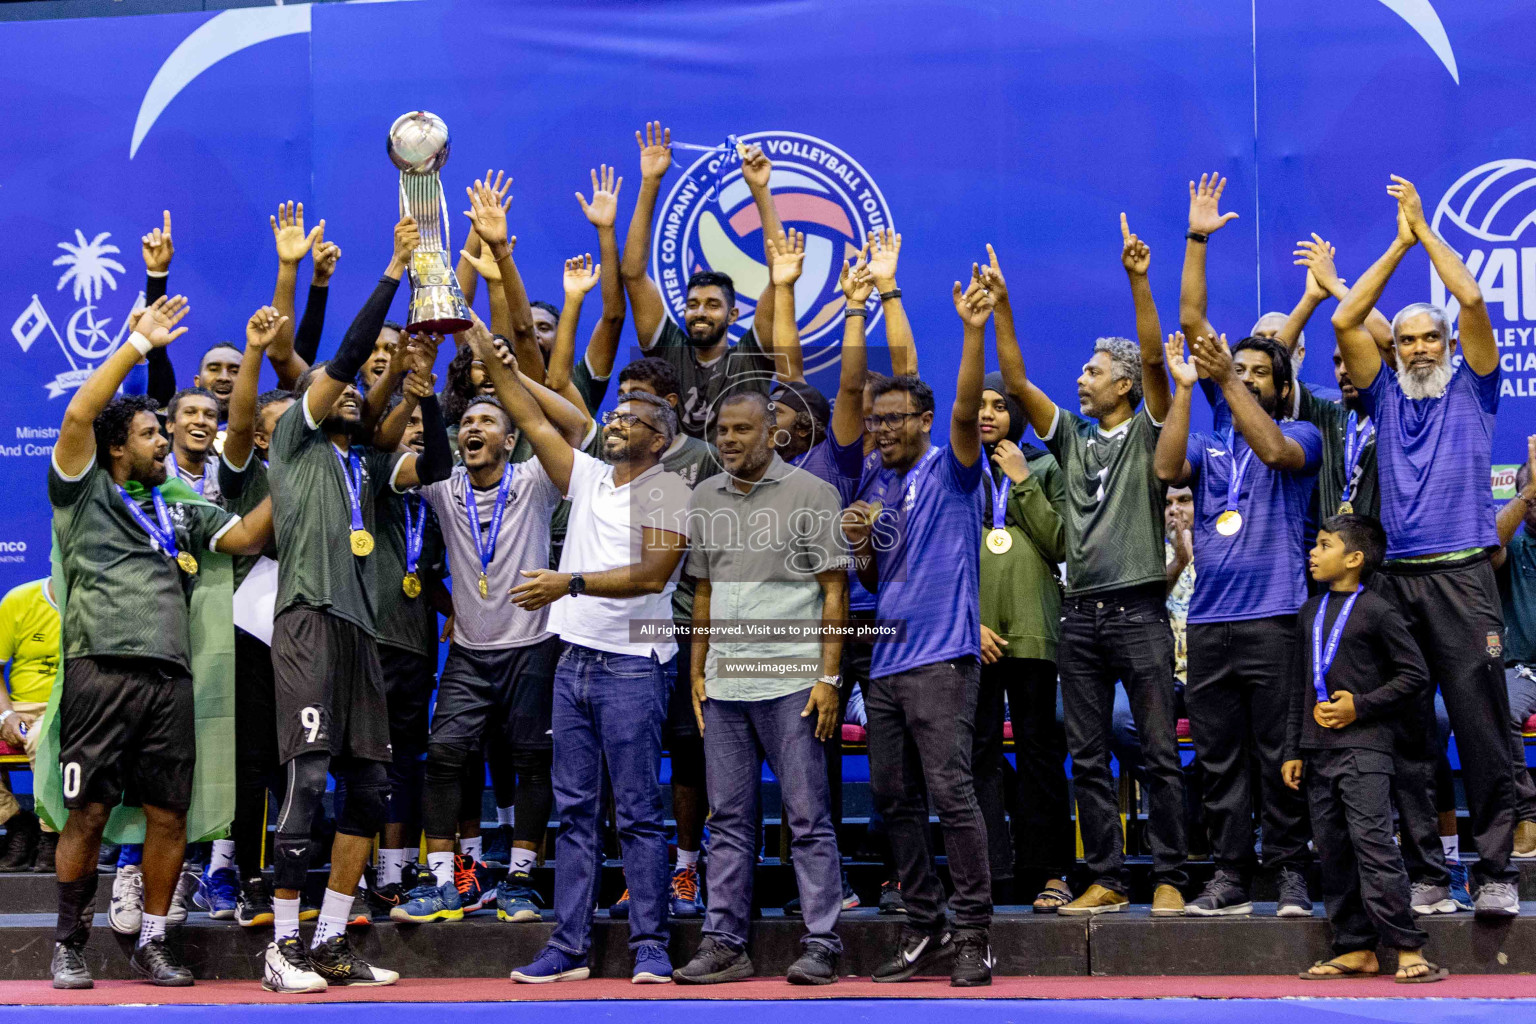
894 293
855 311
1195 236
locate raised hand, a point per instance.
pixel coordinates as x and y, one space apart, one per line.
1212 357
483 264
262 327
856 282
1317 256
1410 206
288 232
884 248
655 151
422 351
604 207
407 238
974 304
487 211
158 321
1204 204
1134 254
327 254
1184 372
158 248
756 168
786 256
581 275
991 276
419 384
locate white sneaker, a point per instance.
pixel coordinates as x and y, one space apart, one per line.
186 885
126 914
287 969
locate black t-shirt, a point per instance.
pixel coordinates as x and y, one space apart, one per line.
744 366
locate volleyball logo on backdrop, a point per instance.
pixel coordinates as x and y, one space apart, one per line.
86 336
1489 217
709 222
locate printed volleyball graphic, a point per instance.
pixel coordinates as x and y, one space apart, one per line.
1489 217
709 222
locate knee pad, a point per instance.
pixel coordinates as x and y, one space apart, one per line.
291 858
367 795
446 761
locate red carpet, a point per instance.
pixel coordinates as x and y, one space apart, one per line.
465 990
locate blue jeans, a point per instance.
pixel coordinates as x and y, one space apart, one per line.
608 706
738 735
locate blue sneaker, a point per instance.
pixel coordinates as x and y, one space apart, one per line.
217 892
1461 895
516 898
684 893
553 965
428 903
652 965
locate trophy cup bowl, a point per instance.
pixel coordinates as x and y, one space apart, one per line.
418 142
418 145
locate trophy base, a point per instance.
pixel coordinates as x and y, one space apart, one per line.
439 325
437 305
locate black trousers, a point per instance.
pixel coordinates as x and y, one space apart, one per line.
257 768
1241 675
1122 635
1453 611
1421 784
1043 844
921 728
1365 886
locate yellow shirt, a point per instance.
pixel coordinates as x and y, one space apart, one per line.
29 640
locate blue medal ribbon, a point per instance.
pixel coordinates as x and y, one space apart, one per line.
202 481
1322 657
163 534
1239 471
352 474
1355 440
415 530
486 548
1000 492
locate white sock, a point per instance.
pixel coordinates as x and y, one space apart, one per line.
521 859
504 816
152 928
441 866
470 847
687 858
333 917
390 864
223 855
1452 847
285 918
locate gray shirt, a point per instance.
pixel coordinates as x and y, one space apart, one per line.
761 551
494 622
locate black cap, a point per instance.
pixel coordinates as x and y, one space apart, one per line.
801 397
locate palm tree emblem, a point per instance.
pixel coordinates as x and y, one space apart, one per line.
90 266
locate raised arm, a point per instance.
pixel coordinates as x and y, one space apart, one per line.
306 340
553 451
384 385
1356 345
1323 280
1204 220
1515 510
1171 459
293 243
602 212
466 271
153 327
786 258
158 250
260 330
884 251
488 203
974 305
1479 347
1259 429
1038 409
436 459
847 424
485 268
580 277
757 171
644 295
1136 258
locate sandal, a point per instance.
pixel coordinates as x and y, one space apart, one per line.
1436 973
1051 898
1343 969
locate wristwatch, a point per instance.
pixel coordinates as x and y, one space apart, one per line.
833 681
1196 236
577 586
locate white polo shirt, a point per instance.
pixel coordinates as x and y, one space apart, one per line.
606 532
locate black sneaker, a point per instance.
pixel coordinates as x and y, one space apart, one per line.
22 832
972 966
1223 896
890 898
385 898
158 964
68 968
1294 900
850 901
334 961
817 966
47 854
713 963
915 954
253 908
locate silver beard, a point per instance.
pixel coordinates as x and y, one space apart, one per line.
1429 383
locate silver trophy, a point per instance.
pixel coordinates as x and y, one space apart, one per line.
418 145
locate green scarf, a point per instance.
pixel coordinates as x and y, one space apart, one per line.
211 615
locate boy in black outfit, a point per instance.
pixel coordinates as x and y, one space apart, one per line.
1360 672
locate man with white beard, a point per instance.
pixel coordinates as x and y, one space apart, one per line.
1434 439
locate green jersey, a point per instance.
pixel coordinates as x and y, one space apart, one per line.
745 366
1332 419
243 490
409 623
313 518
591 389
694 461
1114 502
127 597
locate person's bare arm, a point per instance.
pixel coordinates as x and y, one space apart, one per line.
974 305
858 522
1358 348
1259 429
1479 347
602 211
660 551
644 295
1204 219
158 250
419 382
847 424
1170 461
580 277
1038 409
1137 258
786 256
698 655
466 272
884 252
550 446
239 436
488 203
824 700
384 385
293 243
1514 511
251 535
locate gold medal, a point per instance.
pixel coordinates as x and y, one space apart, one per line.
187 562
1346 508
999 541
485 586
874 511
411 585
1229 522
362 542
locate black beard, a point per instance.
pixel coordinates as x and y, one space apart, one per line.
353 429
711 340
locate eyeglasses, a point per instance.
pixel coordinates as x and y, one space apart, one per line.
890 421
629 419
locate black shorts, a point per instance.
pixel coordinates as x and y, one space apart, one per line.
510 690
681 724
255 704
127 731
330 688
409 679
